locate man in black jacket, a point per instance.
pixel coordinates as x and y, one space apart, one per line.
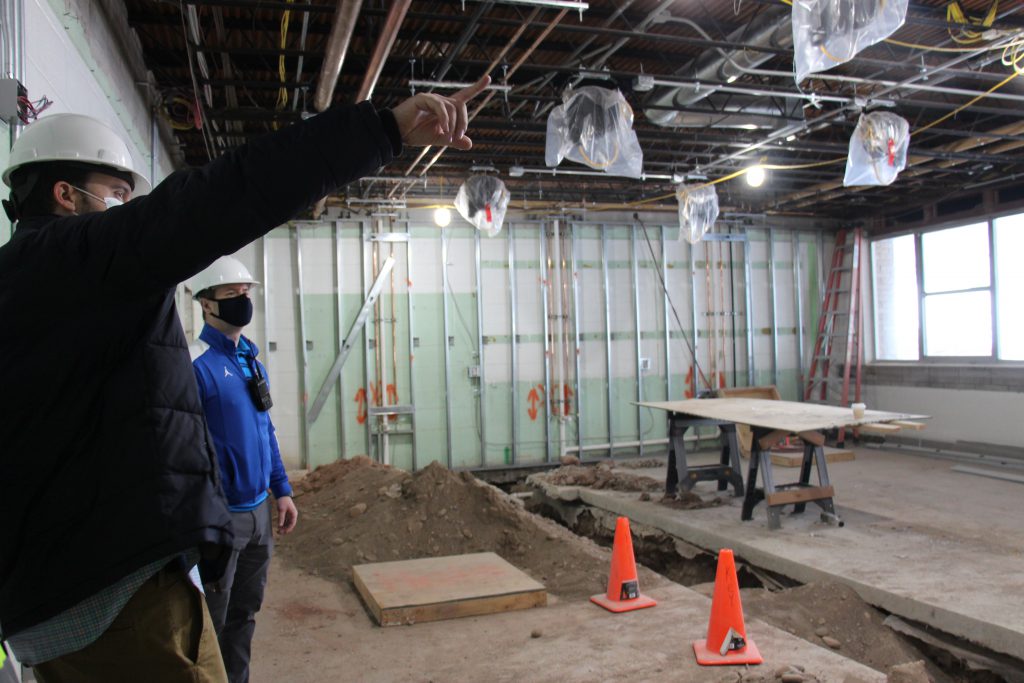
110 486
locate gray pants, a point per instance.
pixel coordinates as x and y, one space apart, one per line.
237 597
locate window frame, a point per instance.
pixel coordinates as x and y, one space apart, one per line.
993 288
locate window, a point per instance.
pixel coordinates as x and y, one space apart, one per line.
957 292
1008 237
894 284
950 294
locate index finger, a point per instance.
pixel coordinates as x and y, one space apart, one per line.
472 91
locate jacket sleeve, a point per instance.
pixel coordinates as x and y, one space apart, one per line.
200 383
279 484
195 216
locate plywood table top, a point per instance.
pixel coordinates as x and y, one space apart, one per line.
777 415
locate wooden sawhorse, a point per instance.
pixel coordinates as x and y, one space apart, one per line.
685 476
798 493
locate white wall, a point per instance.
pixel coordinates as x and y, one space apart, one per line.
78 60
989 417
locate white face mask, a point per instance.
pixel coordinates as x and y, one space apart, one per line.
109 202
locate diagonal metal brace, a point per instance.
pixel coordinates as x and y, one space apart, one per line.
350 338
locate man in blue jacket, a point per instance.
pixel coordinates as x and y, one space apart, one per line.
110 487
236 399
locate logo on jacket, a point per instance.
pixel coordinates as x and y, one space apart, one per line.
226 373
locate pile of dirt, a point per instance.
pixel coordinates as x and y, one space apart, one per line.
640 464
357 511
834 616
601 476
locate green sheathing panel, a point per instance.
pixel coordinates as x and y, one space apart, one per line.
335 435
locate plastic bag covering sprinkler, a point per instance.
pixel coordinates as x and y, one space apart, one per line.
878 149
482 200
831 32
594 126
698 210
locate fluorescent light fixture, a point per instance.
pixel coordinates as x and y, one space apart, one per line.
731 79
755 175
442 217
748 126
790 138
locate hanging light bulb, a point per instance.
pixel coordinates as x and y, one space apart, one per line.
755 175
442 217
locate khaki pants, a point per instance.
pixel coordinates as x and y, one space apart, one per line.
163 635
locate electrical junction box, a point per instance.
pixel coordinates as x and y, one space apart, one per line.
474 371
643 83
9 99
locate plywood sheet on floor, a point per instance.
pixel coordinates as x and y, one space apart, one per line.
435 588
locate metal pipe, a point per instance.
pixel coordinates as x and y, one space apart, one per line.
339 311
342 26
789 130
558 336
751 362
664 311
606 446
299 64
265 279
798 294
300 333
447 344
367 387
693 320
772 305
576 334
412 343
635 272
544 293
381 50
514 339
481 405
515 67
469 28
607 334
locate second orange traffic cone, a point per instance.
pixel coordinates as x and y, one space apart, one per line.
623 592
727 641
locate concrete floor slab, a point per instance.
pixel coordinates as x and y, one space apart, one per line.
920 541
312 630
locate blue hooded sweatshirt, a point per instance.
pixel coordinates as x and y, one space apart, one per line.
250 460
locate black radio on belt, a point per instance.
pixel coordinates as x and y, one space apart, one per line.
259 390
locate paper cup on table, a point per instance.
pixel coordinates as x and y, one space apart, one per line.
858 410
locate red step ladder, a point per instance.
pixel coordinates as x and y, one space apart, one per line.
837 359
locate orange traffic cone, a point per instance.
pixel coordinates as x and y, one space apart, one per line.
623 588
727 641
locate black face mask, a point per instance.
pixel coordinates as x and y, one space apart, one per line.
235 311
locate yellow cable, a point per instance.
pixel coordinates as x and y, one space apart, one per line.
282 93
972 101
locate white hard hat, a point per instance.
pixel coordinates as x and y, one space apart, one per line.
227 270
73 137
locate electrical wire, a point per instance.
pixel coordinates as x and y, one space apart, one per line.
282 74
29 111
668 297
207 142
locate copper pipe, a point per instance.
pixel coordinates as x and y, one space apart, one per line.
386 40
337 47
494 62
